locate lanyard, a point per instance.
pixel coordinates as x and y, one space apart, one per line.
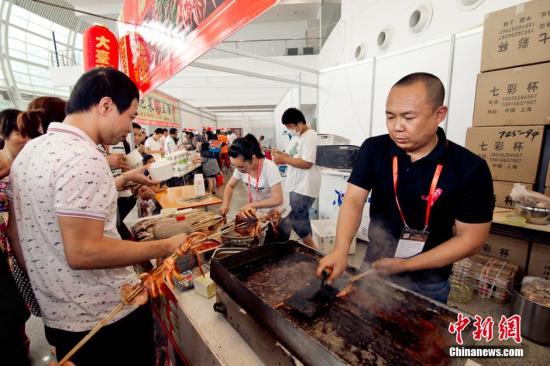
258 172
435 179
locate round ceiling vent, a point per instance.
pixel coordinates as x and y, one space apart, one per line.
360 52
469 4
420 18
384 38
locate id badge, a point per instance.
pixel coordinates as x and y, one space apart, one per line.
411 242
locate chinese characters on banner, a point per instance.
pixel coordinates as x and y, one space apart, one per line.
100 48
508 328
158 109
174 33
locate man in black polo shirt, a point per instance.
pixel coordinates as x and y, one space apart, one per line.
410 167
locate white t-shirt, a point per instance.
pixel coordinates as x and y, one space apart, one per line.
169 145
153 144
47 182
304 181
260 188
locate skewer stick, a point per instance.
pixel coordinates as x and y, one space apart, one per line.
137 290
92 332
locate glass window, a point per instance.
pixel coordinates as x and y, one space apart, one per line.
41 81
37 51
18 11
21 78
17 33
38 71
18 54
24 86
16 44
15 20
36 40
19 66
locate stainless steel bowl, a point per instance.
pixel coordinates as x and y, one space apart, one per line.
534 318
534 215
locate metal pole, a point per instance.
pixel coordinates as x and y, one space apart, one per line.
55 49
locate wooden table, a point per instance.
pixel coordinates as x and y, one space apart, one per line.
173 198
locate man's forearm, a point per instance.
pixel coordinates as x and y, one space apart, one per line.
299 163
449 252
349 219
111 253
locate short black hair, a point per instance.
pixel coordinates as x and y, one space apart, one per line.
99 83
246 147
136 125
8 122
293 116
434 87
147 157
173 130
158 130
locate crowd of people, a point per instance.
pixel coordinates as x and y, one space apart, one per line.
66 186
64 250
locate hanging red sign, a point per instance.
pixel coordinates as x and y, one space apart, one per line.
134 57
100 48
177 32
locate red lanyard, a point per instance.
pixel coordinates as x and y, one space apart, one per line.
435 179
258 172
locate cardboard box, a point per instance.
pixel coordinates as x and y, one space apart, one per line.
512 152
506 248
515 36
502 193
539 263
548 176
517 96
547 191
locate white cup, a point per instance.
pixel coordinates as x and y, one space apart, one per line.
134 159
161 170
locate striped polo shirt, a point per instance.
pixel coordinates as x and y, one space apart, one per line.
63 174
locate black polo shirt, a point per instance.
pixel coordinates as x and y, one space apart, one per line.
465 187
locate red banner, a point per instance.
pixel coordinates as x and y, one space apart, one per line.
100 48
177 32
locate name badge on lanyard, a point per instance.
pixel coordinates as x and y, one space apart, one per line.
411 242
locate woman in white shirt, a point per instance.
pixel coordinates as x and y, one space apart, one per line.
260 175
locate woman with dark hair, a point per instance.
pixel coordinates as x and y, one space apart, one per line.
13 139
52 107
13 311
260 175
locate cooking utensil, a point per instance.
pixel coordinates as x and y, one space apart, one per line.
313 298
310 300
